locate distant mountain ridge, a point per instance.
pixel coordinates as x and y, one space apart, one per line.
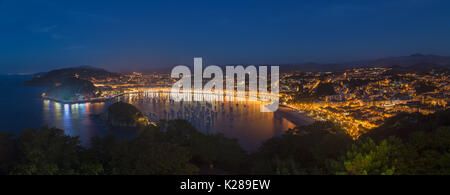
414 61
61 75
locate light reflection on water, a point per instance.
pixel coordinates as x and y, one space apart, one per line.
74 119
239 119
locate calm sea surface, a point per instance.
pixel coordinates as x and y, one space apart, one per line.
23 108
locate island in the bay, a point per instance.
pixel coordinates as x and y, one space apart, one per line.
121 114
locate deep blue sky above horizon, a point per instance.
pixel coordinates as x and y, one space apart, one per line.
39 35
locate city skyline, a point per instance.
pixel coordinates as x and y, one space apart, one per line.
43 35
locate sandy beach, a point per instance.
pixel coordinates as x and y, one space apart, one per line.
299 119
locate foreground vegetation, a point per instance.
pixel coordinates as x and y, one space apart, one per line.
406 144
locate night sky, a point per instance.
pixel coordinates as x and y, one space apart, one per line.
39 35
